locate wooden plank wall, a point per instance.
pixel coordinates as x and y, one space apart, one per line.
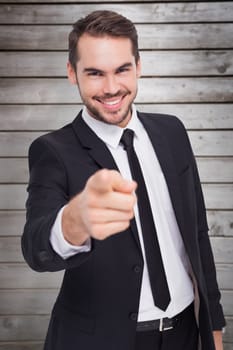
186 49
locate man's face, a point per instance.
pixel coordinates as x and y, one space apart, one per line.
106 77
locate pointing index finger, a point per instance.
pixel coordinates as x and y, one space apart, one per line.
111 180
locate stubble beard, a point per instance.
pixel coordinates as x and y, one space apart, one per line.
108 117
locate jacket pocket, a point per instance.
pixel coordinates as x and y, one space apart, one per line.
73 320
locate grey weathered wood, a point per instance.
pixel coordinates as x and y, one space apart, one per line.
12 197
48 117
154 90
229 331
218 196
214 143
227 346
223 249
205 143
21 327
15 170
11 223
154 63
27 302
151 36
22 345
75 1
214 169
227 302
16 144
40 117
224 276
140 13
10 249
220 223
20 276
185 90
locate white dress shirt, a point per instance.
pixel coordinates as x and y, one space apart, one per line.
174 257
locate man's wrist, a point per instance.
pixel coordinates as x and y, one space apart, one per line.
70 229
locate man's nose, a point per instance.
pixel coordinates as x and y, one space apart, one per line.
111 85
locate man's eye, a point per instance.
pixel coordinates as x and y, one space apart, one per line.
95 74
122 70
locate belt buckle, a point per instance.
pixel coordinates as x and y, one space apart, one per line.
161 326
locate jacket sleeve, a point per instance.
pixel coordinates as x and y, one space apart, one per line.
47 193
207 259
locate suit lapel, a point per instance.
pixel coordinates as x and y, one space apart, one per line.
167 163
93 144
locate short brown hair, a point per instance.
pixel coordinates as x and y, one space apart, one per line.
101 23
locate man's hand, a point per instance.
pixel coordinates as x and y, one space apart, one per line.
103 208
218 340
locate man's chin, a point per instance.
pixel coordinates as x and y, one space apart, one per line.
110 117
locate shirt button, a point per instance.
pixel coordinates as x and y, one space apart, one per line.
133 316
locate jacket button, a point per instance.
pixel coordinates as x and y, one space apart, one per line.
137 269
133 316
44 256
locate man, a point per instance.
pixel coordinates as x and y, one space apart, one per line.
86 214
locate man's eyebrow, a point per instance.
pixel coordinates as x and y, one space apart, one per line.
90 69
125 65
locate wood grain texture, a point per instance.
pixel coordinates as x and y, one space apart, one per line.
224 276
12 222
218 196
20 276
22 345
138 13
75 1
220 223
27 302
151 36
23 328
223 249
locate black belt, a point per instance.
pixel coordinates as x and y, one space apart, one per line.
163 324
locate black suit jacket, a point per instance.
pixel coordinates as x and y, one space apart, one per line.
98 302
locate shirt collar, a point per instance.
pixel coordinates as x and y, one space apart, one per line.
108 133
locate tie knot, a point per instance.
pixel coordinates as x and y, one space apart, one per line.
127 138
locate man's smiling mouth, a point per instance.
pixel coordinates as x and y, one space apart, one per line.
111 102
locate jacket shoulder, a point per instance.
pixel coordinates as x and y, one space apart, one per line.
166 123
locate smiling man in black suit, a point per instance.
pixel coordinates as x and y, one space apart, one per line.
115 200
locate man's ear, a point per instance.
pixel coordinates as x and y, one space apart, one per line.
71 74
138 68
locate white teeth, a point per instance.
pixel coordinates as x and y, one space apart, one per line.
111 103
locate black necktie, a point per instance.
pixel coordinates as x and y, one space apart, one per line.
154 261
